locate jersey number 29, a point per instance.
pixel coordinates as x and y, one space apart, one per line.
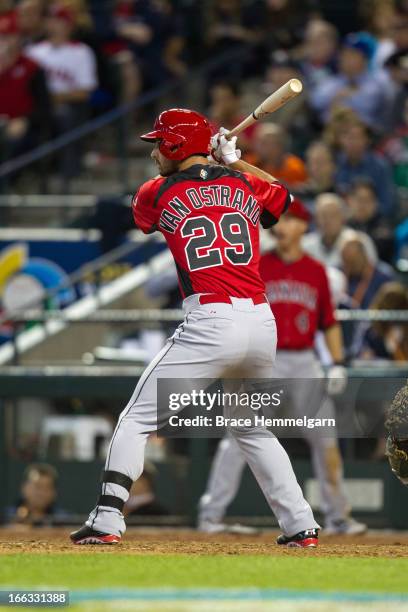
203 232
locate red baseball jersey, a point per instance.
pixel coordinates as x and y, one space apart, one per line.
16 88
210 216
300 299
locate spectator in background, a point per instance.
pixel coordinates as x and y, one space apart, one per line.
171 29
37 505
281 68
340 119
364 278
24 100
154 33
364 216
401 245
82 24
319 52
71 75
31 19
230 25
283 23
142 495
402 6
83 30
81 16
383 339
379 18
321 171
70 67
357 160
397 67
356 86
342 14
293 117
225 110
270 154
399 29
325 243
396 63
194 30
396 149
116 62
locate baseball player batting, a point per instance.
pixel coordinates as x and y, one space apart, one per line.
210 217
298 291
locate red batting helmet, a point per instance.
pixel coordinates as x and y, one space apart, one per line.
181 133
298 209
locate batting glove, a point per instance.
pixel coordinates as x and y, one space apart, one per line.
336 380
224 150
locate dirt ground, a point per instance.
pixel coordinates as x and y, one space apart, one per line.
189 542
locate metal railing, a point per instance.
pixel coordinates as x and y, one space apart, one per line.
41 201
173 315
23 339
92 267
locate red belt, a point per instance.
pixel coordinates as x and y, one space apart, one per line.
218 298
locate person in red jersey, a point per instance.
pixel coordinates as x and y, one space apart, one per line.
209 215
298 291
24 99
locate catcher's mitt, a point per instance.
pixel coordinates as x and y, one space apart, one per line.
397 453
396 422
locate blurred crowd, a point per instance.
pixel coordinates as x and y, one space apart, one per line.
62 61
341 146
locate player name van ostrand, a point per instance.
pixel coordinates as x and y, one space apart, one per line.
254 421
211 195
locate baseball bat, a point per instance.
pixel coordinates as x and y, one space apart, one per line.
290 90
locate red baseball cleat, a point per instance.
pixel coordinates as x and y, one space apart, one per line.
86 535
304 539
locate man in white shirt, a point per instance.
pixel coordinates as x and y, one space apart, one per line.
325 243
71 72
70 65
356 85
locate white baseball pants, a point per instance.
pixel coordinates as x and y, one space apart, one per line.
212 339
229 462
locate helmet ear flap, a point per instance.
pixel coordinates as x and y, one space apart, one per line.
174 147
171 149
